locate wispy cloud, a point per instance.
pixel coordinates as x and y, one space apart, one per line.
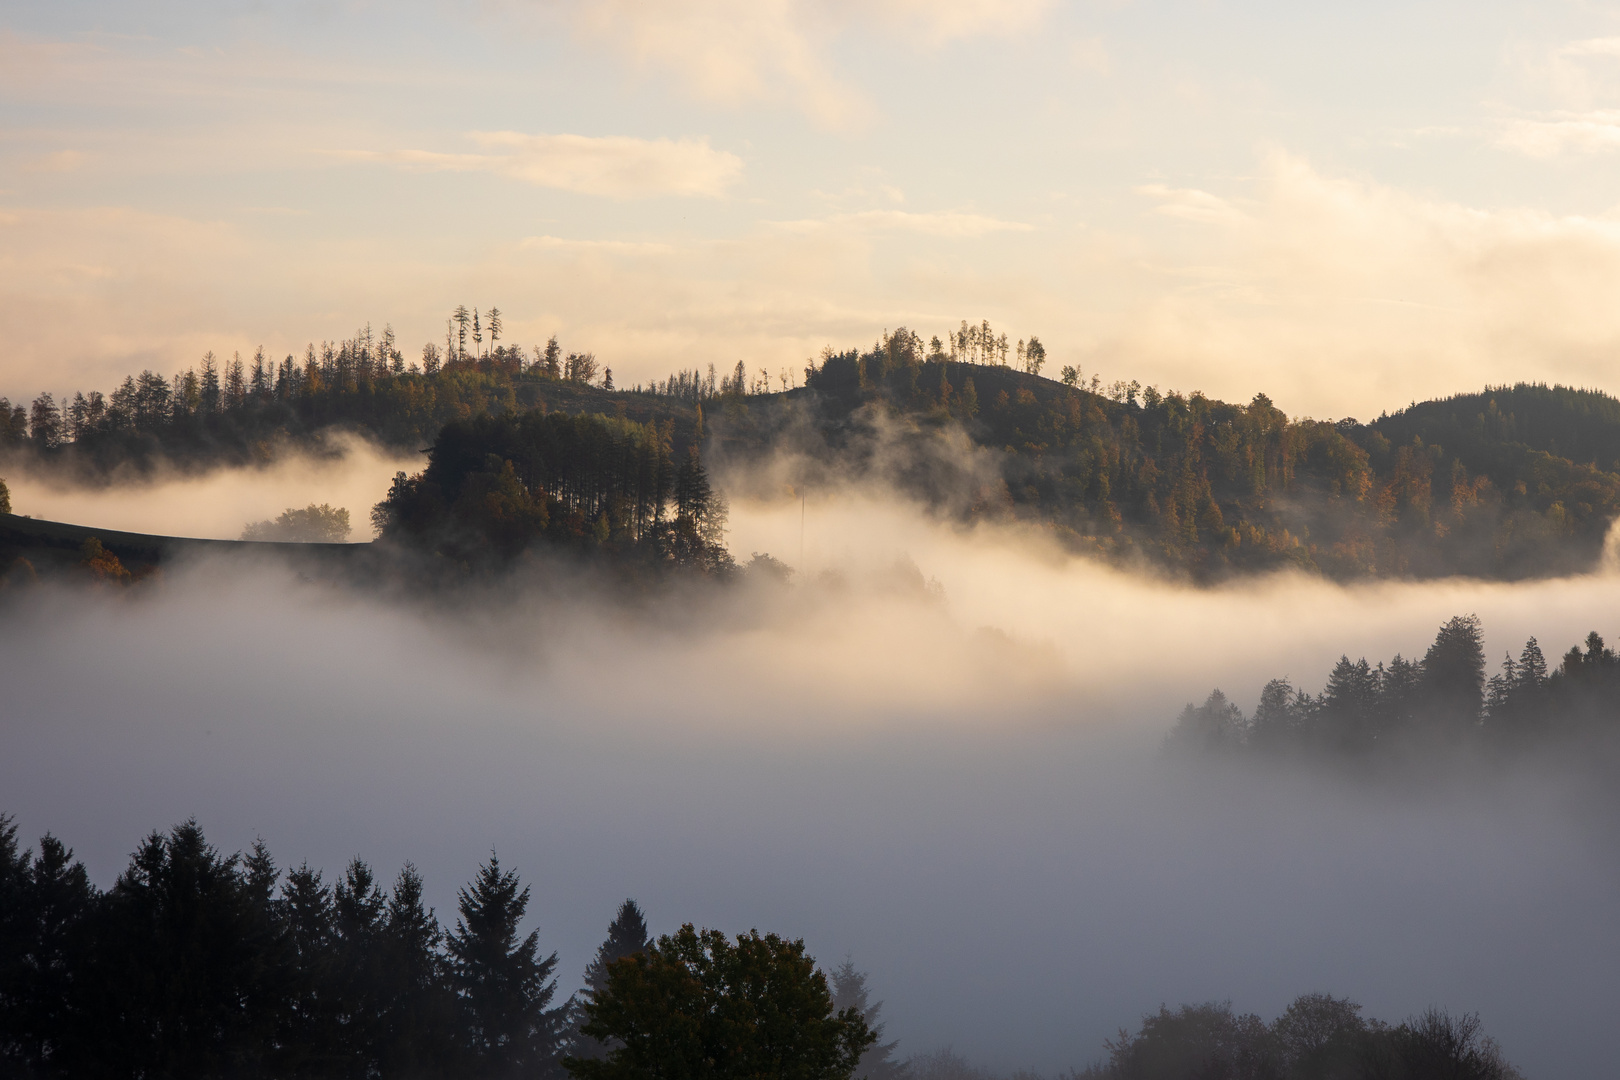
609 247
1563 133
947 223
742 51
1191 204
613 166
1608 46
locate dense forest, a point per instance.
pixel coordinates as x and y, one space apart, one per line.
1511 482
496 484
196 965
1441 701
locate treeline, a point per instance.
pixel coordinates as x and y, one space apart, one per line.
1514 482
238 411
494 485
1442 700
1318 1037
235 411
1188 481
197 964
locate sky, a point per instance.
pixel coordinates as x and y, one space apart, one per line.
1348 207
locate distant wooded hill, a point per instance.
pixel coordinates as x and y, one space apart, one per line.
1511 482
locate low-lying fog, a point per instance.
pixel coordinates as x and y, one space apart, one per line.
955 786
216 505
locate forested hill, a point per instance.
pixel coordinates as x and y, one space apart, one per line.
1503 423
1511 482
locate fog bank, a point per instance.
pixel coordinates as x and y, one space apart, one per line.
956 785
217 504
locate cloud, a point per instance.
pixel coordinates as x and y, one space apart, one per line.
1191 204
1580 133
1609 46
742 51
1340 295
947 223
612 247
614 166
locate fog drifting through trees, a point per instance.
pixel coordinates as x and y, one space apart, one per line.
952 781
215 504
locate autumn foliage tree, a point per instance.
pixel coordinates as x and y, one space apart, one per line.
696 1006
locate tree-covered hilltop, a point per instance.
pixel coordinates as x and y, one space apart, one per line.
1513 482
243 412
1442 701
1184 480
496 485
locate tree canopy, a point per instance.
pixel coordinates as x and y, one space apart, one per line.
696 1006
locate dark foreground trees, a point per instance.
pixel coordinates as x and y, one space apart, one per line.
197 965
695 1006
201 964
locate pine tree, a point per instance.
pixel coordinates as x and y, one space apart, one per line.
501 979
45 423
849 992
627 936
359 914
461 318
210 381
1454 676
235 382
418 1019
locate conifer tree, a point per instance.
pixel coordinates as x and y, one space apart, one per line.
210 381
1453 681
850 993
45 422
419 1016
501 978
627 936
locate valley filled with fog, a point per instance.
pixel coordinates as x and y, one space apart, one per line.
933 749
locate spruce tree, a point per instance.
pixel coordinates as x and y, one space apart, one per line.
627 936
849 992
501 980
419 1015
